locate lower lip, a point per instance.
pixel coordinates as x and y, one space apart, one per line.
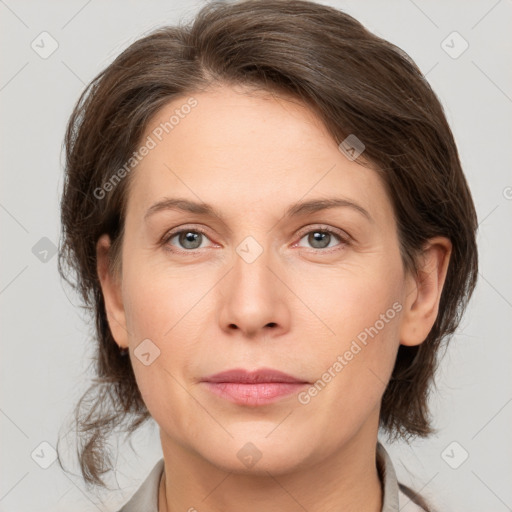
254 394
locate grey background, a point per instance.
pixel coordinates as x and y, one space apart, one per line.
45 340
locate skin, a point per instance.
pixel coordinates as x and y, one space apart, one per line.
295 308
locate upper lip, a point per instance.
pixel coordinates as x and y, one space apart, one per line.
252 377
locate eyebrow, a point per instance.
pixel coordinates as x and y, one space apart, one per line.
295 210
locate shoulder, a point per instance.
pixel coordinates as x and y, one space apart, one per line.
410 501
396 496
146 496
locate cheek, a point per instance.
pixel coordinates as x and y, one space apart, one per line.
170 308
349 301
161 318
353 362
157 301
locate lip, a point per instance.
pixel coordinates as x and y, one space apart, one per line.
262 375
253 388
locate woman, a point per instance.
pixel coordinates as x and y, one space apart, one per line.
267 213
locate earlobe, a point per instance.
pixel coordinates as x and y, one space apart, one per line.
111 289
424 291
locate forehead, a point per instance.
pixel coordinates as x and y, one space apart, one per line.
250 147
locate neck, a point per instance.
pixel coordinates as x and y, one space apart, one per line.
346 480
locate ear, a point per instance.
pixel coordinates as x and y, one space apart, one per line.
424 291
111 289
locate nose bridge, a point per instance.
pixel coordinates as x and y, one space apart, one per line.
252 298
251 273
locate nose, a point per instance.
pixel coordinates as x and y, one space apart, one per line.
254 297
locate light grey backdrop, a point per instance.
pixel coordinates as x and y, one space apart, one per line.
50 50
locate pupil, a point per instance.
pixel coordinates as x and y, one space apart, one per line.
190 240
319 237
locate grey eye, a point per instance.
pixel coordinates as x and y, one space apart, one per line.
188 239
320 239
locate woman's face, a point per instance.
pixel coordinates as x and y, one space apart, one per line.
270 281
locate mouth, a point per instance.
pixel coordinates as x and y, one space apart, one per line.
256 388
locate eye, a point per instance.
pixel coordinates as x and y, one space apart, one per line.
321 238
188 239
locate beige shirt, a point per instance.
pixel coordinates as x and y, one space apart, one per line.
394 500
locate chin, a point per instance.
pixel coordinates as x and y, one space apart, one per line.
258 454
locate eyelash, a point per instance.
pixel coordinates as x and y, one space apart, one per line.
343 238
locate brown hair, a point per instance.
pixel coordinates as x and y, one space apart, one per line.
356 82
